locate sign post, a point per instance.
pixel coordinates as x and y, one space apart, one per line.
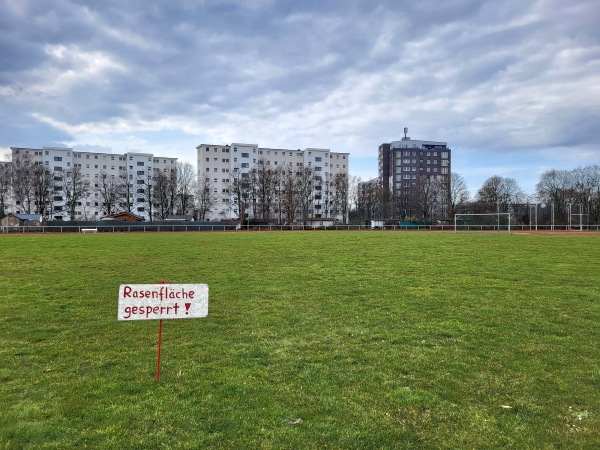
159 342
162 301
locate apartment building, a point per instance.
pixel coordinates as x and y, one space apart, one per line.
219 165
137 168
407 166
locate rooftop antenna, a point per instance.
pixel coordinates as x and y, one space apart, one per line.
405 132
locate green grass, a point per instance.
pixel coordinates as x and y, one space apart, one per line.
371 339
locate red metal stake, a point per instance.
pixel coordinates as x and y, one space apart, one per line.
159 342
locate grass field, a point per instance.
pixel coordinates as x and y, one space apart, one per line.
313 340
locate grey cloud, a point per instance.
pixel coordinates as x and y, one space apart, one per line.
347 73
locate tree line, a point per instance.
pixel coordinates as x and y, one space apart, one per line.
559 194
34 188
263 194
283 195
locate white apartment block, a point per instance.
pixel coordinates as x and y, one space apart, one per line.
138 167
218 163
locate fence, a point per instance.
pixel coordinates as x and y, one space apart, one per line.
121 228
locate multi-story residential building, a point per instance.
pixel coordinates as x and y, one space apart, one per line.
220 166
417 176
129 175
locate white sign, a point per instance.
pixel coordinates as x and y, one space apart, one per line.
162 301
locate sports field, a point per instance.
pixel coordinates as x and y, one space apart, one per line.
313 340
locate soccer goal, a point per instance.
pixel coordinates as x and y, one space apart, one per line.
482 222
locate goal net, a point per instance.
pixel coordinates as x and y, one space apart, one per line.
482 222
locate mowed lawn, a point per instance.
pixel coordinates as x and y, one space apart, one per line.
313 340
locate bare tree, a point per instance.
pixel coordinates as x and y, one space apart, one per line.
43 187
241 189
264 178
369 200
499 194
341 192
126 189
556 187
109 191
428 195
185 186
586 182
205 199
278 200
304 181
22 181
290 200
147 193
161 195
5 177
172 191
75 187
459 195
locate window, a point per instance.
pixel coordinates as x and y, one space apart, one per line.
140 172
140 181
140 163
58 158
245 165
140 209
444 154
245 155
57 168
318 159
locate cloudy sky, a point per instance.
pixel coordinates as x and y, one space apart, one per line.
513 86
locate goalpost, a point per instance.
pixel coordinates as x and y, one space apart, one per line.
482 222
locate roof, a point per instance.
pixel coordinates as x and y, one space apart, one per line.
186 218
121 214
26 216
